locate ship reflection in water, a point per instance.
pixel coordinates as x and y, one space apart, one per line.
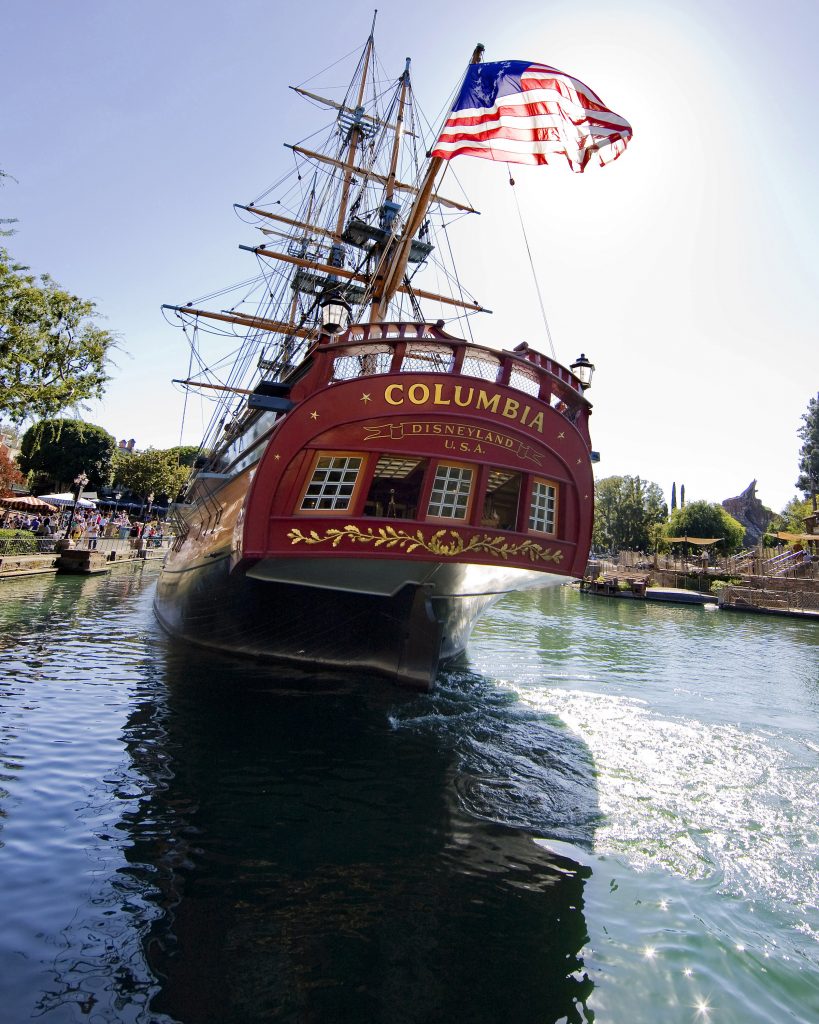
186 838
311 860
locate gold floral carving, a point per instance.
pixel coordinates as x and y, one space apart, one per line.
444 543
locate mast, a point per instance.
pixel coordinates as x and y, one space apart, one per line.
399 131
397 259
389 207
355 136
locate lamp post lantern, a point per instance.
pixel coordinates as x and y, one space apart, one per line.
335 312
583 370
80 481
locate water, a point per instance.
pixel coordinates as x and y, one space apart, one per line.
608 813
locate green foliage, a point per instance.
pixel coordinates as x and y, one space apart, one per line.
57 450
703 519
792 517
17 542
155 471
722 582
52 356
627 510
184 454
808 482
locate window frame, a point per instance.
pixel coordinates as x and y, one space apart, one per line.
546 482
433 473
354 494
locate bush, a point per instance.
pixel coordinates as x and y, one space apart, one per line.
726 581
17 542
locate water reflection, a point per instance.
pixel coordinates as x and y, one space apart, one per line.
313 860
187 839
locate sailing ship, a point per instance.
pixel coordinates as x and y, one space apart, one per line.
372 479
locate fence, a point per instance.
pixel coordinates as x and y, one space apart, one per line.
766 594
29 544
761 577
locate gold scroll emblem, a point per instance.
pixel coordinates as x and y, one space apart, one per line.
398 431
444 543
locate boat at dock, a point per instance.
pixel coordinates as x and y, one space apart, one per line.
372 479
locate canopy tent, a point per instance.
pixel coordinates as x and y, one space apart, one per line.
28 503
703 542
798 538
67 499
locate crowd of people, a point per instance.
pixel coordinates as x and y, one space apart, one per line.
88 526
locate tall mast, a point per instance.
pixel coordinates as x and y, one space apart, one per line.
355 136
397 259
399 131
389 192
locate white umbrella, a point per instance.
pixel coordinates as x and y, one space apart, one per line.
67 499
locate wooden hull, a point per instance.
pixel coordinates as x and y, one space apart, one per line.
366 525
402 636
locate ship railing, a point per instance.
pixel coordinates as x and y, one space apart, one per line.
375 349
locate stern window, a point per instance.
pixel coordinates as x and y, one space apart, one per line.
332 484
500 506
395 487
450 492
543 509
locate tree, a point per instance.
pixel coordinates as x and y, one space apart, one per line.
9 473
702 519
59 449
626 511
154 471
52 355
185 454
808 481
792 517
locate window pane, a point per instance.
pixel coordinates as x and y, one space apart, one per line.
450 492
332 484
542 510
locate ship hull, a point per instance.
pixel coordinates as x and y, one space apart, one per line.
402 635
366 518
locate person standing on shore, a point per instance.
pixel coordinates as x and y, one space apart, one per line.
92 532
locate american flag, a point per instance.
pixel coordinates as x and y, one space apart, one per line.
525 113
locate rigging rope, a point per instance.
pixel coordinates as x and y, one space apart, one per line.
532 265
185 402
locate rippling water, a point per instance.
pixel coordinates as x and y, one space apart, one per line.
607 813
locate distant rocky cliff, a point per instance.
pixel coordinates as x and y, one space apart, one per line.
747 509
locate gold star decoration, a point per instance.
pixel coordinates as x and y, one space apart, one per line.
314 415
366 398
277 456
561 435
579 461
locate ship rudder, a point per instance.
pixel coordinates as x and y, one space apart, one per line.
420 650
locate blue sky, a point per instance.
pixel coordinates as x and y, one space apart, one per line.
687 271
